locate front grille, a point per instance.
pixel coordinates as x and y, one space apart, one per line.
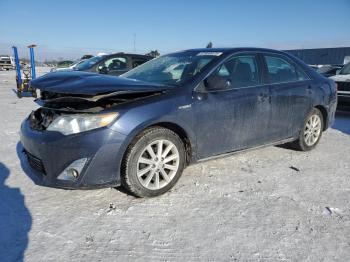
35 163
343 86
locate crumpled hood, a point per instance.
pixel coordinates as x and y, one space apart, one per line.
85 83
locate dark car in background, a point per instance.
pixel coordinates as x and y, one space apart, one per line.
143 128
114 64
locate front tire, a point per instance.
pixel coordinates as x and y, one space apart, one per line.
311 132
153 162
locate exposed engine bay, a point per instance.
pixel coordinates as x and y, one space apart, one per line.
67 93
54 104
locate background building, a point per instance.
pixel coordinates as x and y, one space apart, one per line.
322 56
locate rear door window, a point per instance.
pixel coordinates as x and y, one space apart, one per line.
280 70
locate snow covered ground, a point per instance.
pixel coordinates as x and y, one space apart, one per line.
264 205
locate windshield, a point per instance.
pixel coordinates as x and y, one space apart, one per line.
345 70
173 69
87 64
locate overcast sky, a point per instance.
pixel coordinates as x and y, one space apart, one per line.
69 29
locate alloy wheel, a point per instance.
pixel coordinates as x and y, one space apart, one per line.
312 130
158 164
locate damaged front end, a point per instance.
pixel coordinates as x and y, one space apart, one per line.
72 93
41 118
78 107
80 103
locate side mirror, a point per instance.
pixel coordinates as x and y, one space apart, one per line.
215 82
102 69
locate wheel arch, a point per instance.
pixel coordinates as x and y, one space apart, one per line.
184 135
177 129
324 115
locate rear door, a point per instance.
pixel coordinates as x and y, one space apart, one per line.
235 116
291 91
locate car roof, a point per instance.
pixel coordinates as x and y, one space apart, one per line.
128 54
229 50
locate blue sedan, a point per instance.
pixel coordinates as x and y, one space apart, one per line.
143 128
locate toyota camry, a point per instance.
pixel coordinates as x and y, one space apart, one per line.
142 129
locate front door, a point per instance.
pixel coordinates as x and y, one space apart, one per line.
234 111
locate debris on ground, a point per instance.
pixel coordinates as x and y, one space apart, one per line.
111 207
294 168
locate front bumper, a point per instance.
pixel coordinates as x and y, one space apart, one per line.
343 93
51 152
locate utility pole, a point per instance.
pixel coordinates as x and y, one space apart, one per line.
134 43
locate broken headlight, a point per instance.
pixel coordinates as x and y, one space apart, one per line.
76 123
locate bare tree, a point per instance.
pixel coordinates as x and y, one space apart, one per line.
210 45
153 53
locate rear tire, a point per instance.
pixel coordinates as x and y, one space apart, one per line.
153 163
311 132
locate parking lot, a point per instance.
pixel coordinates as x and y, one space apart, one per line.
270 204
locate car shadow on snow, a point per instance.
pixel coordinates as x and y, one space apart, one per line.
342 121
15 220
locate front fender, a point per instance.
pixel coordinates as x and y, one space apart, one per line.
174 110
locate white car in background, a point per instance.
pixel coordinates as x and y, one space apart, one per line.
7 63
70 67
342 78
